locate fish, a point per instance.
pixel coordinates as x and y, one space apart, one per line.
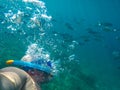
54 20
66 37
98 39
91 31
69 26
107 29
85 38
105 24
81 43
79 21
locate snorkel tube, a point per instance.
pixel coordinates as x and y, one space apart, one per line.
29 65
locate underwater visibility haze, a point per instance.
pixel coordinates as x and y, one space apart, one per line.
80 37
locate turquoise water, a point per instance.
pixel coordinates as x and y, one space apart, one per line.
81 38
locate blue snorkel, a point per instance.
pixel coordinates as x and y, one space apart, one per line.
30 65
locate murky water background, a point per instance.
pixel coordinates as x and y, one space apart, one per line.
81 38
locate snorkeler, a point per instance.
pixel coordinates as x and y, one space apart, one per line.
29 77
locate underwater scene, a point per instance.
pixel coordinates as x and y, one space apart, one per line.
80 37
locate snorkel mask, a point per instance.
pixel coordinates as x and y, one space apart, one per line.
41 73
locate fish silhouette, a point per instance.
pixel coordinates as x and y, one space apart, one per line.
69 26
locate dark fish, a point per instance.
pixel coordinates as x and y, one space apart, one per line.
85 38
91 31
66 37
108 24
98 39
107 29
69 26
96 35
54 20
81 43
105 24
79 21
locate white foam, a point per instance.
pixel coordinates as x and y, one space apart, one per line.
46 16
37 52
37 2
34 52
35 13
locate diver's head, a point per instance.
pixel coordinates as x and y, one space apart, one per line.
39 76
41 71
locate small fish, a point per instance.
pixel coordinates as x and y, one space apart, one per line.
85 38
79 21
81 43
54 20
98 39
69 26
107 29
91 31
66 37
105 24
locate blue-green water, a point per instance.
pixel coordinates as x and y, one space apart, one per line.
81 37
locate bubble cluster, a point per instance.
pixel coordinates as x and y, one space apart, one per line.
27 15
